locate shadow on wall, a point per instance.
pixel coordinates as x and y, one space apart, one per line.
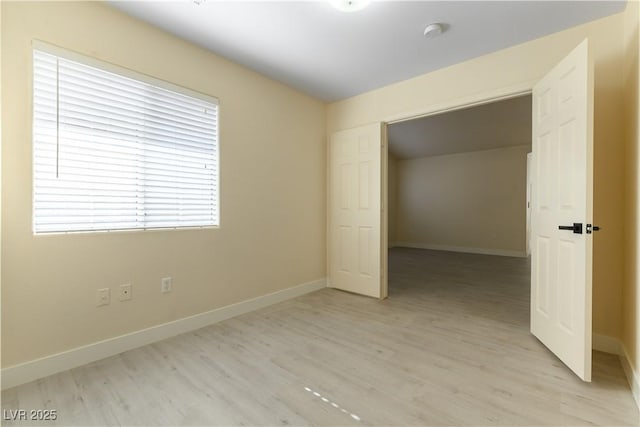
631 227
608 200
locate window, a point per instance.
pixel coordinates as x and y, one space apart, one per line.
114 150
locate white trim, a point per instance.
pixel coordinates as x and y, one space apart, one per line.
49 365
606 344
483 251
475 100
632 376
615 346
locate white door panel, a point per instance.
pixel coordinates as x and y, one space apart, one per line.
561 260
528 195
355 220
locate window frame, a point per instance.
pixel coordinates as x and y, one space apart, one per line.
38 45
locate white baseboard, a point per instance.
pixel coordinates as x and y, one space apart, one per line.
49 365
606 344
615 346
632 376
482 251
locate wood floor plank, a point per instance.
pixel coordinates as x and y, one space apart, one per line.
450 347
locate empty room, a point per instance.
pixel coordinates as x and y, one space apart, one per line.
320 213
458 215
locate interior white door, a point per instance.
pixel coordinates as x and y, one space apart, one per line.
355 217
561 259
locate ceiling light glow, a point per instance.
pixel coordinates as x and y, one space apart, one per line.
349 5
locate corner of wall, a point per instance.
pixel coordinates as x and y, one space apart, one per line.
630 354
632 375
285 136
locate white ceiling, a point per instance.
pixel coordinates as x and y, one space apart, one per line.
332 55
496 125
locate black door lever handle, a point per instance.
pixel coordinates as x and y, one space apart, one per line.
576 227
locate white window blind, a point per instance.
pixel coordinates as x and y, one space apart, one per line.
113 152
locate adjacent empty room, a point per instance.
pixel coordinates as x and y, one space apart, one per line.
458 208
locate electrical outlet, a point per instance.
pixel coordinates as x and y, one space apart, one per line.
166 284
125 292
104 297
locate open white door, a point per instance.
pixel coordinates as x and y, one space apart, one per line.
355 217
561 218
528 193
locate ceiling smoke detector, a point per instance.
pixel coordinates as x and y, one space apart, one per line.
433 30
349 5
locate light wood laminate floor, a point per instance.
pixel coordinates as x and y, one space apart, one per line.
451 346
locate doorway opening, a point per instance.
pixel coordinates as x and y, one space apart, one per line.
561 212
458 200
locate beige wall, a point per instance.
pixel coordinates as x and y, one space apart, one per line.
515 70
472 200
56 277
272 230
392 186
1 185
631 291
